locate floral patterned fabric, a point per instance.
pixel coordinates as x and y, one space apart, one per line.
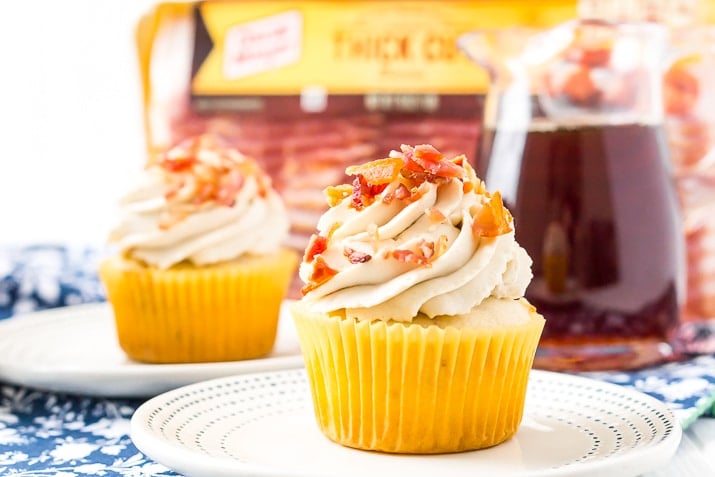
687 387
54 434
46 434
47 276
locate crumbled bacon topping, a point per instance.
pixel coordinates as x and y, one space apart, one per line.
317 245
426 249
354 256
203 170
435 215
335 194
493 218
405 176
364 193
411 167
427 159
321 274
402 192
411 256
381 171
424 254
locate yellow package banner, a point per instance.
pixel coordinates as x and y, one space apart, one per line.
353 47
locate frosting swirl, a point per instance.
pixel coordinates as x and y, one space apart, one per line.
415 234
200 202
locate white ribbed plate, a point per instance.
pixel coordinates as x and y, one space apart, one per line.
263 425
74 349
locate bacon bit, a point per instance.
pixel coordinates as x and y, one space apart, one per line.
424 254
357 195
229 187
316 245
435 215
203 169
459 160
363 193
409 256
335 194
418 192
183 156
354 256
426 249
204 192
380 171
178 164
425 158
322 273
427 153
417 177
172 191
401 192
493 218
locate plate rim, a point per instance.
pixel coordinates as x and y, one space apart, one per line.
134 379
162 450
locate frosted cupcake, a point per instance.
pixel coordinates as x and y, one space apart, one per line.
413 326
201 270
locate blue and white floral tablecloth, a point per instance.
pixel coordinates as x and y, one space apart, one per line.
62 435
49 434
47 276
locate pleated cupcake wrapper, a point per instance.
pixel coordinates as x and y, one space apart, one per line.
217 313
411 389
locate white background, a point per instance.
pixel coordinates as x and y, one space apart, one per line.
71 129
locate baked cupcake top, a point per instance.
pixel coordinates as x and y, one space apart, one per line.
416 234
201 202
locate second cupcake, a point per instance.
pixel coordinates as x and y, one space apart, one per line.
201 271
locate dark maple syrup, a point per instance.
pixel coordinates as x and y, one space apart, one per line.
596 209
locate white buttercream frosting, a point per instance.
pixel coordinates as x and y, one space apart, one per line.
203 203
397 258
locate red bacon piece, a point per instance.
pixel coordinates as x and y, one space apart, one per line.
492 219
178 164
425 158
364 193
409 256
317 245
380 171
321 274
354 256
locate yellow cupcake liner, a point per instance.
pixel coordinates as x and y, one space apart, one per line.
222 312
405 388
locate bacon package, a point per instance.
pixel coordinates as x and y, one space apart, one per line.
310 88
690 113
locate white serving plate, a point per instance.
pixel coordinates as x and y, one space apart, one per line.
74 349
263 425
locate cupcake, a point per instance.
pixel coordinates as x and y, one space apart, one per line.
413 326
201 271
